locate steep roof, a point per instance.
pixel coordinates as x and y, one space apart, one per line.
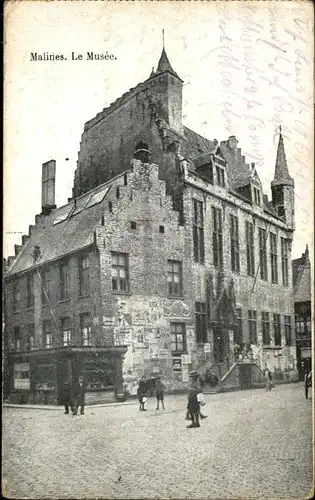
164 64
281 169
301 270
66 229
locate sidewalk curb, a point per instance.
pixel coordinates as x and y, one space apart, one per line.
60 407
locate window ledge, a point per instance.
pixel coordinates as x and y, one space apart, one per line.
83 296
30 308
61 301
117 292
179 353
178 297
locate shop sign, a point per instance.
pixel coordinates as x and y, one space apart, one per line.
177 364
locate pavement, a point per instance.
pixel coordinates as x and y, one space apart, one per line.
253 445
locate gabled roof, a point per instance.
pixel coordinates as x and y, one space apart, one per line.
301 270
65 230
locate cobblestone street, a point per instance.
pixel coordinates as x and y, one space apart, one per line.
253 444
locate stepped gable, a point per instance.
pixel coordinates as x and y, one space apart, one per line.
301 271
60 233
237 169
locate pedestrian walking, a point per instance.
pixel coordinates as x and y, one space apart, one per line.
78 396
193 406
142 394
268 380
159 393
196 381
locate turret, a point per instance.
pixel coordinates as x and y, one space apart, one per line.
282 187
169 93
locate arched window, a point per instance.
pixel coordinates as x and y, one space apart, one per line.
142 152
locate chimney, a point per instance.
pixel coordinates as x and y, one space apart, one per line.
48 186
25 238
31 229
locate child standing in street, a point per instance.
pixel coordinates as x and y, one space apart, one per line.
159 393
142 393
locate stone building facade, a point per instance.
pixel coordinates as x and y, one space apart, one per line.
301 269
168 258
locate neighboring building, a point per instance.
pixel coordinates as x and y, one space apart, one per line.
168 258
303 312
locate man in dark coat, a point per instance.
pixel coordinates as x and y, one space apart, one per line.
78 396
66 397
193 406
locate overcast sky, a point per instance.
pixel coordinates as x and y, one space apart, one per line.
246 66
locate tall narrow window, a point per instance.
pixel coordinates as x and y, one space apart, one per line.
86 329
120 280
273 258
263 254
235 245
17 338
16 297
198 232
265 323
84 275
284 262
31 337
63 280
257 196
30 290
174 278
220 176
47 334
178 338
217 237
46 286
201 323
66 331
252 326
287 330
277 328
238 328
250 249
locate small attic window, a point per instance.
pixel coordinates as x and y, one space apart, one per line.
161 229
103 220
257 198
133 225
220 176
110 206
125 179
117 192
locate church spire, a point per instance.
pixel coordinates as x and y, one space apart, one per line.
164 64
281 176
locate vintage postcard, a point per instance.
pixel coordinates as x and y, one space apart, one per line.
158 244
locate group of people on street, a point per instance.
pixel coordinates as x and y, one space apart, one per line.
143 390
74 396
195 398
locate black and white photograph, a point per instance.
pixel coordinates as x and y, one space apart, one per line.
158 318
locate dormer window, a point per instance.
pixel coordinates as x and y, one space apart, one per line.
220 176
257 196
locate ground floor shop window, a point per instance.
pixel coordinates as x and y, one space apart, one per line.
22 376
